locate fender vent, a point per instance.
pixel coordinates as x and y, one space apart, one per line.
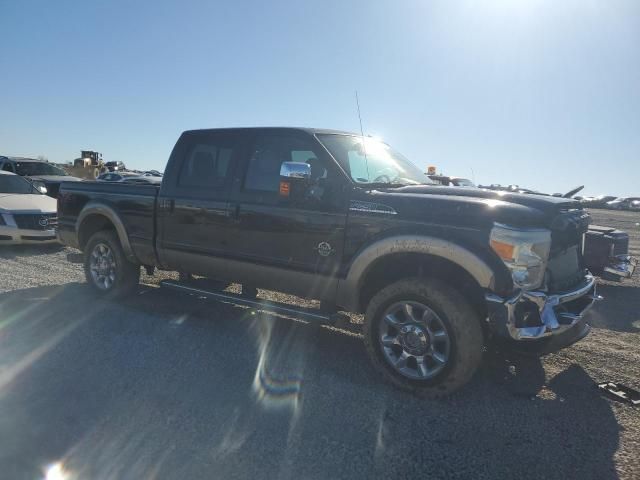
370 207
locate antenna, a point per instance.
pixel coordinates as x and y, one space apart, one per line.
364 147
359 116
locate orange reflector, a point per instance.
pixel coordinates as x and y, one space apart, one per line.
504 250
284 189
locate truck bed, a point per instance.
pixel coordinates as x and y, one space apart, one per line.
135 206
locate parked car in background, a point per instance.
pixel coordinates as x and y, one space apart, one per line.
115 176
26 215
597 202
44 175
130 177
510 188
115 166
624 203
452 181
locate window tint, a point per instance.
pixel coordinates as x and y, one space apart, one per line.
206 165
263 173
15 184
7 167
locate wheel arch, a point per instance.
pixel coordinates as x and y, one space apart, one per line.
391 259
95 217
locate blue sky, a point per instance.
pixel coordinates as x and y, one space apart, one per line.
541 93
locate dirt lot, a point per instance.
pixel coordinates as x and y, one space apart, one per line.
164 386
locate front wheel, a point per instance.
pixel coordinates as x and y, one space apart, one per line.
422 335
106 268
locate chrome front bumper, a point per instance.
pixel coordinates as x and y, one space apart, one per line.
533 315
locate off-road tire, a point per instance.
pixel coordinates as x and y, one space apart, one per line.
127 274
462 323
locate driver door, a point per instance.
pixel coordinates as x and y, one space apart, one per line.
291 247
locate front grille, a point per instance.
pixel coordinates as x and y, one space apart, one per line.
564 269
567 229
36 221
566 266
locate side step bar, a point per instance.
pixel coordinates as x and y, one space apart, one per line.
311 314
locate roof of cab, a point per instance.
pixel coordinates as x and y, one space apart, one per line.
312 131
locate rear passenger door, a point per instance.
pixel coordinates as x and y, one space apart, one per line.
194 213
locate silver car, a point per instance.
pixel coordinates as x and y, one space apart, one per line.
26 215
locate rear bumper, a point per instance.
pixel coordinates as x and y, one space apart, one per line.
536 315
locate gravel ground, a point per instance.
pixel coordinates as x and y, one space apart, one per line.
165 386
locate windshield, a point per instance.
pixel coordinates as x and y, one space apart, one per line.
37 168
15 184
368 160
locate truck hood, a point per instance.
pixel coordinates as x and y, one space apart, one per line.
20 202
479 209
544 203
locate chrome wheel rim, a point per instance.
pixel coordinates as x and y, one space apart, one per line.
414 340
102 265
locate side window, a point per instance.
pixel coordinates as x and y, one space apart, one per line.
207 165
263 171
7 167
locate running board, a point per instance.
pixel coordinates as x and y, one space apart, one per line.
311 314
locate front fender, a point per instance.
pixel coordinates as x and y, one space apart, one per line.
349 288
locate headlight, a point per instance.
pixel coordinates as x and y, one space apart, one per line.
524 251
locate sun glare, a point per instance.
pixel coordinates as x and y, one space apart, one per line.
56 472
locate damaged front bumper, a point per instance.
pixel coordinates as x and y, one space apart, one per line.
537 315
621 266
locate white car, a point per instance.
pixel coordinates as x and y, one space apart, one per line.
26 215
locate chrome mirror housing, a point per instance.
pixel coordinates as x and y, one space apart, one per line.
295 170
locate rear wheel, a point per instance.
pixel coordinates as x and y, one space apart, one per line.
423 336
106 268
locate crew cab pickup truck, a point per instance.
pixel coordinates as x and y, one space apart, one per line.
437 271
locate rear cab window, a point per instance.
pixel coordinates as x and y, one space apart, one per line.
203 165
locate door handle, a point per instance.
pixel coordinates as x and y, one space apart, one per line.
169 204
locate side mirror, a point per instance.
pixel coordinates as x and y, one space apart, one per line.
298 170
294 179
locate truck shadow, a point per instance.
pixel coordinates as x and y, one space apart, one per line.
620 311
167 386
10 252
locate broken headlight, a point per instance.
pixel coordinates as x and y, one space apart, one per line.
524 251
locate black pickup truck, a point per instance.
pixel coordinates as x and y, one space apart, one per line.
437 271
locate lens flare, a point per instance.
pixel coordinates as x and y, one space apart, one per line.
56 472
